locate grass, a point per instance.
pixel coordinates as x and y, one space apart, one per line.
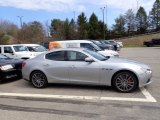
137 41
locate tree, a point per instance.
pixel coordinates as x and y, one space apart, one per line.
82 26
141 20
8 31
4 39
130 21
93 27
57 29
67 29
73 30
32 32
119 27
154 16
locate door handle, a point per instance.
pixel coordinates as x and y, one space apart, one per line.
73 66
46 65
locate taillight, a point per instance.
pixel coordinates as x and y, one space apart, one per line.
23 64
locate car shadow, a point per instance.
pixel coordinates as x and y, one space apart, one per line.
84 87
7 81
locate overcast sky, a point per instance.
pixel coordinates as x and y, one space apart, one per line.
45 10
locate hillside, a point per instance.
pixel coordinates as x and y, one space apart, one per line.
138 39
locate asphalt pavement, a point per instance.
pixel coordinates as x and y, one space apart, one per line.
19 100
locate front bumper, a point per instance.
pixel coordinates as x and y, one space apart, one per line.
10 74
145 78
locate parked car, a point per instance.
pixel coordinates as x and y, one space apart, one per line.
10 67
83 66
114 43
152 43
45 44
35 49
16 51
120 44
81 44
102 45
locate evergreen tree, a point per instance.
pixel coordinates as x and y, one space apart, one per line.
119 27
57 29
93 27
154 16
100 29
82 26
73 30
141 20
67 29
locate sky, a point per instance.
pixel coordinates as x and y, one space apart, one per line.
46 10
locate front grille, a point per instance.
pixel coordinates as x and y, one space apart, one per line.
148 80
18 66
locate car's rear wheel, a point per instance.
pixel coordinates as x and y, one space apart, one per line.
125 82
38 79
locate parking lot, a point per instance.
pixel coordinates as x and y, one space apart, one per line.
19 100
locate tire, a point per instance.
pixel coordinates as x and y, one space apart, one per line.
38 79
125 82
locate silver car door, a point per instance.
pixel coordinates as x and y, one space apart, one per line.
81 71
56 67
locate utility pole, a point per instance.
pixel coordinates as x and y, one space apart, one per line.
103 22
20 18
106 15
137 5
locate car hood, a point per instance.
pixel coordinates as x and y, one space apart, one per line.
109 53
5 61
127 61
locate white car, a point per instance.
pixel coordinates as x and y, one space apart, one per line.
35 49
81 44
16 51
120 44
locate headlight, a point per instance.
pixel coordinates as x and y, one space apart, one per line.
146 70
6 67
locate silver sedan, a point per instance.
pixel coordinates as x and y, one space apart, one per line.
82 66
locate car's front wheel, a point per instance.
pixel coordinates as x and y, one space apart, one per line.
125 82
38 79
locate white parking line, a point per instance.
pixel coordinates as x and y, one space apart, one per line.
148 96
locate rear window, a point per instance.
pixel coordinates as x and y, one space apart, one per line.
56 56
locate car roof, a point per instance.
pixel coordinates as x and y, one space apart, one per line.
13 45
75 41
66 49
30 44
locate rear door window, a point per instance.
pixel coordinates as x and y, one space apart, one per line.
8 50
76 56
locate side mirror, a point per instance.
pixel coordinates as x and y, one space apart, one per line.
89 59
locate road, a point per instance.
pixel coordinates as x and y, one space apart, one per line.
20 101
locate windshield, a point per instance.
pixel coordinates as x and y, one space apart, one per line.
3 56
111 41
36 48
98 42
20 48
96 47
96 55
